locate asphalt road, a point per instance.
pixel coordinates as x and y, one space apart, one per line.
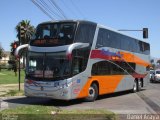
145 102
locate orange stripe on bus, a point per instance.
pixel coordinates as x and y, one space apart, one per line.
107 84
118 56
128 57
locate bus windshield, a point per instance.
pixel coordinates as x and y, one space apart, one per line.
48 65
54 34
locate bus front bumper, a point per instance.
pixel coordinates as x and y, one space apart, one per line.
48 91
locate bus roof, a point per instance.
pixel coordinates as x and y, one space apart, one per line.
85 21
90 22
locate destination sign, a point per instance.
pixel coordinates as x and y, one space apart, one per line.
44 42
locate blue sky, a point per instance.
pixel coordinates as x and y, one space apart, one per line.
117 14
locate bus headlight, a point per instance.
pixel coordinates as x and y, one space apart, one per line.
66 85
69 84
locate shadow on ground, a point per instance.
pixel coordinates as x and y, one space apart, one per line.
58 103
155 82
43 101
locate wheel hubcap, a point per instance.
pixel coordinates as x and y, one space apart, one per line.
91 92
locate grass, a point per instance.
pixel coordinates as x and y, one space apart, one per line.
40 112
30 109
8 77
13 93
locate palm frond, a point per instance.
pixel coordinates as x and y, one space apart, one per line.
29 31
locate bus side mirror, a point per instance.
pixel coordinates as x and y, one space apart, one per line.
20 48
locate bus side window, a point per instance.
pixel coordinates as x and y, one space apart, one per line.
101 68
85 33
100 39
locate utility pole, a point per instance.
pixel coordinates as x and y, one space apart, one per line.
21 35
144 30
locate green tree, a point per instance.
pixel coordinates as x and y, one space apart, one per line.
1 54
158 61
152 61
152 64
29 30
28 33
1 51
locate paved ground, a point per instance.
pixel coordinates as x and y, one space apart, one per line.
145 102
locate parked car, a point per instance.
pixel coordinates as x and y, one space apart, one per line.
155 76
151 75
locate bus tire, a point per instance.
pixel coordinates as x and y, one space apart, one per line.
92 93
139 85
135 86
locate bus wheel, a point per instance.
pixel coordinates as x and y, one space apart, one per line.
92 93
135 86
139 85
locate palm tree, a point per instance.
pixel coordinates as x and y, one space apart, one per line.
29 30
28 33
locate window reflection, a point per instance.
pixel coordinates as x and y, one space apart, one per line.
113 68
48 65
64 32
108 38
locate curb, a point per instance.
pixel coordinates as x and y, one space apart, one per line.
3 105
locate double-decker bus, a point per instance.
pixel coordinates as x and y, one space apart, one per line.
82 59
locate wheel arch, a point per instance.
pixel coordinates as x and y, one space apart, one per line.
95 82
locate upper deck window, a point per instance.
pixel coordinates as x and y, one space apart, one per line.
54 34
85 33
108 38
